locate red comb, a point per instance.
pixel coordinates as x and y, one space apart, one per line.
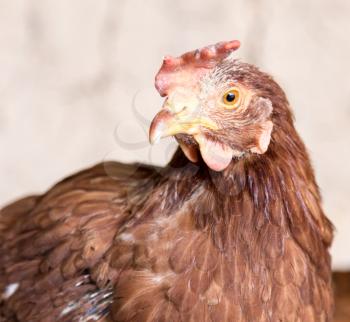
191 65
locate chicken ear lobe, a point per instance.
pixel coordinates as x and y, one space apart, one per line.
263 138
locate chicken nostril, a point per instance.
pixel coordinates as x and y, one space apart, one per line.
185 112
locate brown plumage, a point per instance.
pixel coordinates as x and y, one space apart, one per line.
236 233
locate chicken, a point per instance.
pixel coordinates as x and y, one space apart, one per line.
232 229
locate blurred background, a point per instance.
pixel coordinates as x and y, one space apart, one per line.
76 83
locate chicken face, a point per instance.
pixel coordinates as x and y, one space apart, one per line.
211 106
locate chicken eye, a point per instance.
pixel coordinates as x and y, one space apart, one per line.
231 98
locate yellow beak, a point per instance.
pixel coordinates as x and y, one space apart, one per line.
166 123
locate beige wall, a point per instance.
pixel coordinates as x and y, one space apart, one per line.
76 80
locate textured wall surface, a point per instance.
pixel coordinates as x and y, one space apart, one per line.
76 82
